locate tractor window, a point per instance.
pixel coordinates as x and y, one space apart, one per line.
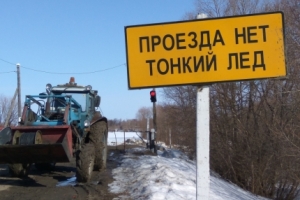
90 104
34 107
81 99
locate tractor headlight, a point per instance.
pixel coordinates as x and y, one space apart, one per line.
48 88
88 87
86 123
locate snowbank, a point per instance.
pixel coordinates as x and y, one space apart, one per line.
168 176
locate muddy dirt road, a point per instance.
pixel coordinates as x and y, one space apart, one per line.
59 183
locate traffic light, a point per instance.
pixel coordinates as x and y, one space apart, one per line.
153 96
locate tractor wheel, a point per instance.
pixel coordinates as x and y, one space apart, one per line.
98 136
22 169
85 162
19 170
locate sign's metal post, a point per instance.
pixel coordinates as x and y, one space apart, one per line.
203 175
202 149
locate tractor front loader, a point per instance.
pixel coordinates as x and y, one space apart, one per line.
56 126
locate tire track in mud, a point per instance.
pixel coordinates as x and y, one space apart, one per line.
42 185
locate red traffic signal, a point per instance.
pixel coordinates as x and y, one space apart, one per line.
153 96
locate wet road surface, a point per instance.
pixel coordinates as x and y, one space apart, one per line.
59 183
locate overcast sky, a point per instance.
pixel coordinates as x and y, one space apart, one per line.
54 40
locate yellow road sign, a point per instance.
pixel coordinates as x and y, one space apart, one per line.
205 51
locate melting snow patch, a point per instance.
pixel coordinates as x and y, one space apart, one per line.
168 176
70 181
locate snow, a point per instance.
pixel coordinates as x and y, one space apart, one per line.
168 176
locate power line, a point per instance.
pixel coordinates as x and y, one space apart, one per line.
7 72
7 62
47 72
101 70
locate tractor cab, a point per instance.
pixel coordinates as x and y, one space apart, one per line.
61 104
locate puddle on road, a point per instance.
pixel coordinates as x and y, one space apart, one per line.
72 182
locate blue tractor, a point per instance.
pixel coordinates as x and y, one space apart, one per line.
56 126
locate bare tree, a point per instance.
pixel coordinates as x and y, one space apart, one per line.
221 8
142 115
5 103
179 113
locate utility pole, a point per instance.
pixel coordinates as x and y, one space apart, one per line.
19 90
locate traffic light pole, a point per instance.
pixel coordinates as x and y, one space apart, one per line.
154 116
152 134
154 126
